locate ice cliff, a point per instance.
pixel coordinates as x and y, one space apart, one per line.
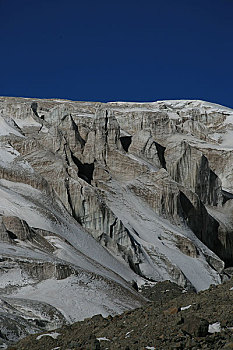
96 198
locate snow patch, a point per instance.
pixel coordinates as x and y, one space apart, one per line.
138 217
6 128
128 334
214 327
8 158
54 335
185 307
103 338
78 297
3 346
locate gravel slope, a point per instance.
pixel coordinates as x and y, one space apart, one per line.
174 320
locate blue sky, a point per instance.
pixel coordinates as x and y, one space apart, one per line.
117 50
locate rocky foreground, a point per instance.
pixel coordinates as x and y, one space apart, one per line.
175 319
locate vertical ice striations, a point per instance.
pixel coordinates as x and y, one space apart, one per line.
144 179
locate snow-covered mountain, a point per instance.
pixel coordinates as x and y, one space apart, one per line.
96 199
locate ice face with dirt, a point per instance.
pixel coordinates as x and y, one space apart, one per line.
95 198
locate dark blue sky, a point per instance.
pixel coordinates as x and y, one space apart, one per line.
117 50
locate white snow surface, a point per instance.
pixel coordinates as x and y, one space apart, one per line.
157 236
9 158
25 122
93 290
127 335
103 338
6 128
78 297
185 307
53 335
22 200
214 327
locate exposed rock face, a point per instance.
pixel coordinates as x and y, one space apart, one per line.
145 180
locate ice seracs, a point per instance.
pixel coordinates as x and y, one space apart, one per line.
102 197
